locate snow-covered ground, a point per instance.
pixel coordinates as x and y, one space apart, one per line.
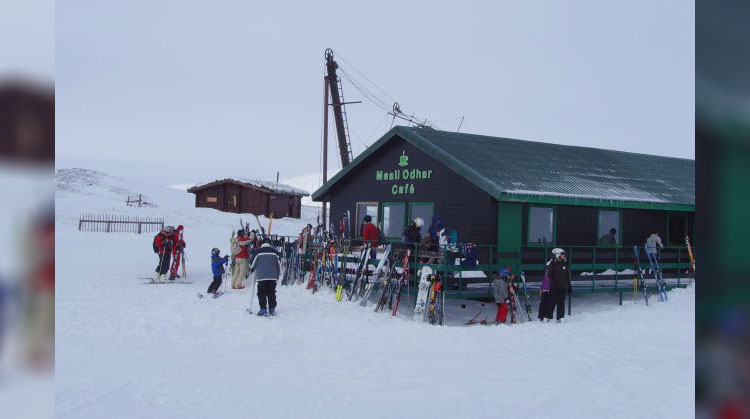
125 349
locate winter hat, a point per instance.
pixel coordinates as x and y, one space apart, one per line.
265 244
557 251
504 272
240 232
215 251
179 227
368 218
419 221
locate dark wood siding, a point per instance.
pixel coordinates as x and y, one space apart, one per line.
235 198
460 204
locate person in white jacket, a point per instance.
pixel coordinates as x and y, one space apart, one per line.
652 241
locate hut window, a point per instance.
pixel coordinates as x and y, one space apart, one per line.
541 224
212 199
609 220
394 216
365 208
423 210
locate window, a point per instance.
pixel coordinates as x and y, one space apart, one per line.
394 217
423 210
541 224
609 227
232 200
365 208
212 199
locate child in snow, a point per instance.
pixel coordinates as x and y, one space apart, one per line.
267 268
546 305
500 289
217 268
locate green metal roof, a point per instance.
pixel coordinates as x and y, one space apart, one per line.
530 171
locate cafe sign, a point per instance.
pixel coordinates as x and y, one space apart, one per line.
403 179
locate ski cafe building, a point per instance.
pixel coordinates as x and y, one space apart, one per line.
517 200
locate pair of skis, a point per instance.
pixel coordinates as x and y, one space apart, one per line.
387 287
380 272
355 289
639 271
656 271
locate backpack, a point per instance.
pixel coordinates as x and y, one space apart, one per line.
156 248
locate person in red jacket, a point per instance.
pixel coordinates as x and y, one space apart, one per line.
370 235
163 248
240 260
177 252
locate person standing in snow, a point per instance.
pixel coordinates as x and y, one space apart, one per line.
217 268
163 248
370 235
546 305
177 249
560 285
651 242
609 238
500 291
267 267
240 260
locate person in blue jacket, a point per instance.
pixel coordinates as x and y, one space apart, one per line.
433 232
217 268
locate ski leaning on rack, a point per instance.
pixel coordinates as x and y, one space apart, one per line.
527 304
639 271
424 288
690 253
359 273
401 281
377 276
656 271
386 286
435 301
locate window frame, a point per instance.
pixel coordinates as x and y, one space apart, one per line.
554 226
382 219
619 226
411 217
356 234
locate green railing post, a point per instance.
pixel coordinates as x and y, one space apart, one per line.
489 274
593 269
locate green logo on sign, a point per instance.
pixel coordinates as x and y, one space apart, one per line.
403 160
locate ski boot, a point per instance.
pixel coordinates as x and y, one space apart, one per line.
271 311
163 278
155 277
262 312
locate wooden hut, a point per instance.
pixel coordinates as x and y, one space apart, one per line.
248 196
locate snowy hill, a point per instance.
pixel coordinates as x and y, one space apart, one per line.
126 349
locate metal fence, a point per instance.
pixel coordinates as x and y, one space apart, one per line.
118 223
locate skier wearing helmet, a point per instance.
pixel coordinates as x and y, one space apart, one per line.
560 285
217 268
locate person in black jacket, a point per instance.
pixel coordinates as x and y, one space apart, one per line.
559 282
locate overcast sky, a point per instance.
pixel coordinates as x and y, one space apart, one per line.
198 88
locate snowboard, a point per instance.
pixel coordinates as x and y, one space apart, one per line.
424 288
